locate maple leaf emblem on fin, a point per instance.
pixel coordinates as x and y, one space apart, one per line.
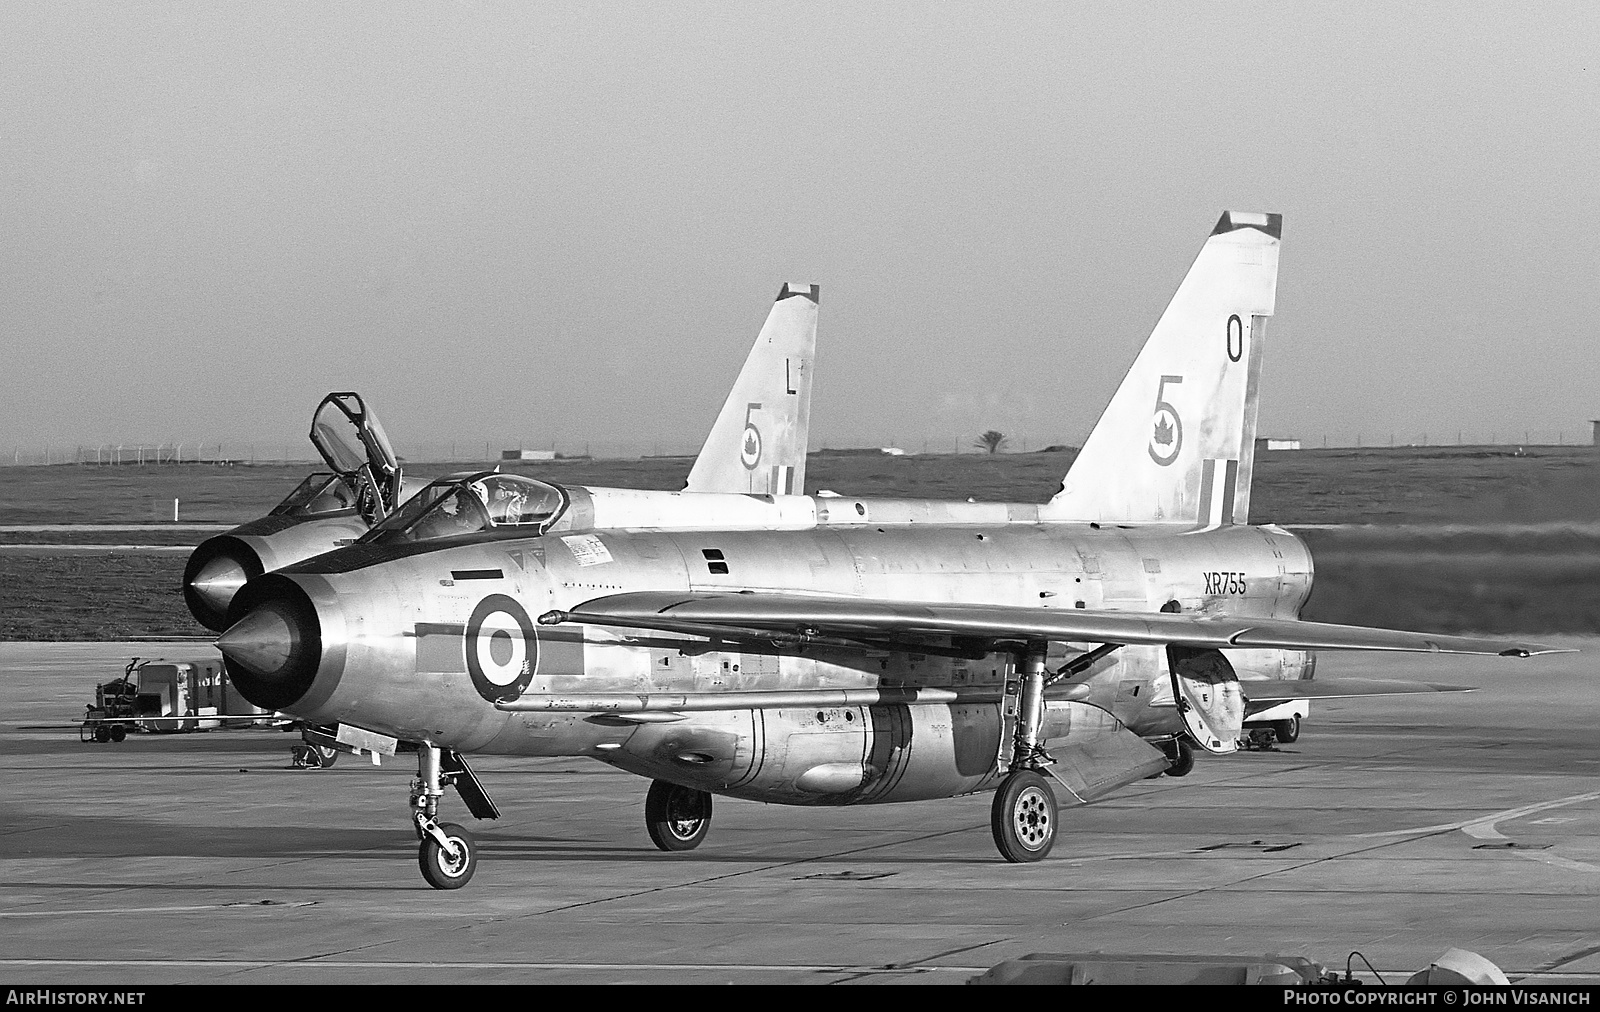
1163 432
750 444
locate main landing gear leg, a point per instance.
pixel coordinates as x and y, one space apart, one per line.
447 854
1023 816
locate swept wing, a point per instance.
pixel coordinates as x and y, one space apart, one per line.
803 617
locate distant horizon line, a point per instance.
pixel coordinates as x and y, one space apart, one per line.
131 456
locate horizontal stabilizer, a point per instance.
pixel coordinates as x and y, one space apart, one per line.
802 618
1283 690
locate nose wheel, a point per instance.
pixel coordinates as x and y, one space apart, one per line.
448 855
678 818
1023 817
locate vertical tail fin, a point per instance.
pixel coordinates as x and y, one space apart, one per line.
1177 442
758 442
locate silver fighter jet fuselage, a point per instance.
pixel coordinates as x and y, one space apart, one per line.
850 650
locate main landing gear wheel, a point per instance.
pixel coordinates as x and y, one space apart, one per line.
452 868
678 818
1023 817
1287 731
1182 765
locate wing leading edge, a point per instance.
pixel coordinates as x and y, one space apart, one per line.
805 618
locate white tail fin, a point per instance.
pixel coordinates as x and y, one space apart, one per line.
1177 442
758 443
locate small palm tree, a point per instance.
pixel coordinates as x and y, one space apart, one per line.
991 441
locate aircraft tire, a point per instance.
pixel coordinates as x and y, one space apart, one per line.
1287 731
118 732
677 818
1182 765
442 869
1023 817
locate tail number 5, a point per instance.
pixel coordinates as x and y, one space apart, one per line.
1166 434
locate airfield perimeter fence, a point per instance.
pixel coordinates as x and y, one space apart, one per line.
301 452
490 451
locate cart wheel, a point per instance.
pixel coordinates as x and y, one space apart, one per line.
102 734
1288 731
118 732
445 870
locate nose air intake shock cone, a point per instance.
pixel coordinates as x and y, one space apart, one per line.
273 646
215 573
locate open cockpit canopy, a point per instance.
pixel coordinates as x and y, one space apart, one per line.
457 505
319 495
351 439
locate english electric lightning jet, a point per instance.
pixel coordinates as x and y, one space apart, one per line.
756 447
875 651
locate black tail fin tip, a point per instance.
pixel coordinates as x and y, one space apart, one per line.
1271 224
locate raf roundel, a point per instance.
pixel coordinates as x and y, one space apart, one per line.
502 649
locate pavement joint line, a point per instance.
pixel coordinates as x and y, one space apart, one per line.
917 964
729 875
504 918
239 905
1251 878
246 965
1486 822
1569 958
252 964
1556 860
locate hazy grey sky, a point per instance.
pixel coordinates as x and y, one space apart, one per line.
535 222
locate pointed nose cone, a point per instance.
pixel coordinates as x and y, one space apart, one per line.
215 573
262 643
273 650
217 582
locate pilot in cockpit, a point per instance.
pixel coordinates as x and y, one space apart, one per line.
503 500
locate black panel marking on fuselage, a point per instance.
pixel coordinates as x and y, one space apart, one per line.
477 574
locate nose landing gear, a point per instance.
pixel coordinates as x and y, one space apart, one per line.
446 853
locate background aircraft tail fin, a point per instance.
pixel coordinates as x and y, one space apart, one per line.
1177 442
758 442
